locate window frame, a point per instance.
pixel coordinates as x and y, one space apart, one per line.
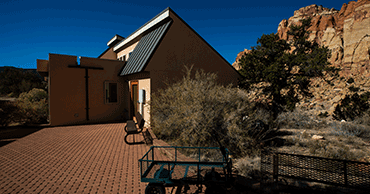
108 92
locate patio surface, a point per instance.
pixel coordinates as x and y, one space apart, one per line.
72 159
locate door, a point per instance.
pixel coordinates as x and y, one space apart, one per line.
134 98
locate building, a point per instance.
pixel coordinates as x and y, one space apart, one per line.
113 86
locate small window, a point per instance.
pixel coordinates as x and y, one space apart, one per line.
122 58
110 92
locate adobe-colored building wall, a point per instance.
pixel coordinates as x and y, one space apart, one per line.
144 84
127 50
66 91
181 46
100 111
67 95
109 54
42 65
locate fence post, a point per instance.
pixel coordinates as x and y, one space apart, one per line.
345 173
275 167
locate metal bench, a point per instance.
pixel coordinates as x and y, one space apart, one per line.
133 128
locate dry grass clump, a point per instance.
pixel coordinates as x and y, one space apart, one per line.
299 119
350 129
334 149
340 140
363 119
248 167
197 111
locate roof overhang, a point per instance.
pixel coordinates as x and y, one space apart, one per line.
160 17
116 39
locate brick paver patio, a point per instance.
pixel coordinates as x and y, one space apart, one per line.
72 159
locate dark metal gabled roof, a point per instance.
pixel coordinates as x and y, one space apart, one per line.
144 50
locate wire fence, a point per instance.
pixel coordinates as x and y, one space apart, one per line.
344 173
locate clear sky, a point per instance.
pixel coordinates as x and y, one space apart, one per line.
31 29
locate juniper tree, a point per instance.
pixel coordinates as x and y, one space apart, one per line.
283 69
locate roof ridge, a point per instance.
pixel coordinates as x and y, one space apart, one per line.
141 27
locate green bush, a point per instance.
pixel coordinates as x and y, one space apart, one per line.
196 111
33 106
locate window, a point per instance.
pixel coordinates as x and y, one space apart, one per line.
122 58
110 92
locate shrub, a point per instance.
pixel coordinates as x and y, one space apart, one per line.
352 106
196 111
33 106
323 115
354 89
299 119
350 80
364 119
248 167
335 151
350 129
16 81
8 113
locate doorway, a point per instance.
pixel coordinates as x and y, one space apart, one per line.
134 98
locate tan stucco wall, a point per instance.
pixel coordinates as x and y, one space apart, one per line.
182 46
109 54
144 84
67 96
127 50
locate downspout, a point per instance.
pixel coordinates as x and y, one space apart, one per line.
86 84
87 93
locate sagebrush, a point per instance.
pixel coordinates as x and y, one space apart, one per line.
33 106
197 111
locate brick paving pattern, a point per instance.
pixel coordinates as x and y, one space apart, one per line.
72 159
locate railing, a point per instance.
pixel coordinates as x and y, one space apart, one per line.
316 169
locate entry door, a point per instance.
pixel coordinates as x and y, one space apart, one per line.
134 98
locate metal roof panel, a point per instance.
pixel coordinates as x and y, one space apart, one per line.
144 50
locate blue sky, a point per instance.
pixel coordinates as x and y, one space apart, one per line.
30 30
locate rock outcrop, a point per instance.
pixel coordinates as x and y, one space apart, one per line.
347 34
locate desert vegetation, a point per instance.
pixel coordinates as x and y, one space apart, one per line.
281 70
15 81
24 97
29 108
197 111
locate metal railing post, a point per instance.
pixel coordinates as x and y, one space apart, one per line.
275 164
345 173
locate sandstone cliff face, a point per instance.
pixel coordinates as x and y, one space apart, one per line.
347 34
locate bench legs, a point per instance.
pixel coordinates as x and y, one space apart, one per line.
134 142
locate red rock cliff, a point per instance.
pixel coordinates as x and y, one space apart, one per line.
347 34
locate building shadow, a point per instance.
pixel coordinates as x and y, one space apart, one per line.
12 133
